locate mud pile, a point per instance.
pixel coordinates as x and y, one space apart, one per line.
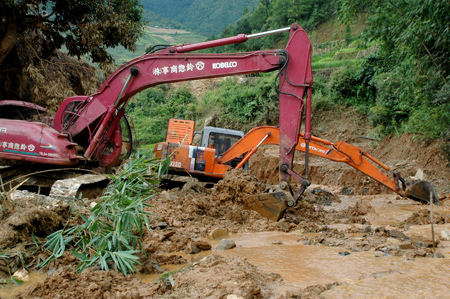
194 211
217 277
67 283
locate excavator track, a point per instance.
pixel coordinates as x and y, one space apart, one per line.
73 187
56 183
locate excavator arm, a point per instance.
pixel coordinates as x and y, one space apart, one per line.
94 124
337 152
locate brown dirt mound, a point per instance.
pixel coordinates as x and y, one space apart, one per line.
194 211
25 214
264 165
408 153
307 214
21 225
66 283
423 217
236 186
217 277
354 214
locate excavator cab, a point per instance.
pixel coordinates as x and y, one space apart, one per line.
196 152
221 140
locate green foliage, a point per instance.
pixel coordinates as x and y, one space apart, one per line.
205 17
330 63
410 72
415 30
153 19
155 36
168 8
152 109
243 103
111 235
210 16
85 27
276 14
348 35
353 86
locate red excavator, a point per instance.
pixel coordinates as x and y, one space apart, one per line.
94 130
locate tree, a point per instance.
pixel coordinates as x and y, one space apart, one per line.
84 27
408 29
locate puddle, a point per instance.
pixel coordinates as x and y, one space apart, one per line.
9 291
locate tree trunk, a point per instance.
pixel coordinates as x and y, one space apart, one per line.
8 41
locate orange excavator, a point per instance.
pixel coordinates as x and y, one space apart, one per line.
221 149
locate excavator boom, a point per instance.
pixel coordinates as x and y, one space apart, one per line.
273 205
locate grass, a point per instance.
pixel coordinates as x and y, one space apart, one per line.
333 64
146 149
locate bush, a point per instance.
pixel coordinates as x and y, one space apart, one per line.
243 103
152 109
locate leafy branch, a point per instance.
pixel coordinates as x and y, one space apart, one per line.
110 236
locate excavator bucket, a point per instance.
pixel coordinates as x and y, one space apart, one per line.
269 205
421 191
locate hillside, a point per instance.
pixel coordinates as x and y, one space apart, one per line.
204 17
168 8
155 36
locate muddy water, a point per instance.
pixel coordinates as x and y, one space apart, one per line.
361 273
32 278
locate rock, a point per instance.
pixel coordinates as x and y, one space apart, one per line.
177 223
161 225
225 244
378 253
277 243
165 235
444 235
439 255
283 225
202 245
191 248
393 241
168 195
209 261
218 233
344 253
420 244
21 274
397 234
420 252
419 176
347 191
380 229
324 198
406 245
